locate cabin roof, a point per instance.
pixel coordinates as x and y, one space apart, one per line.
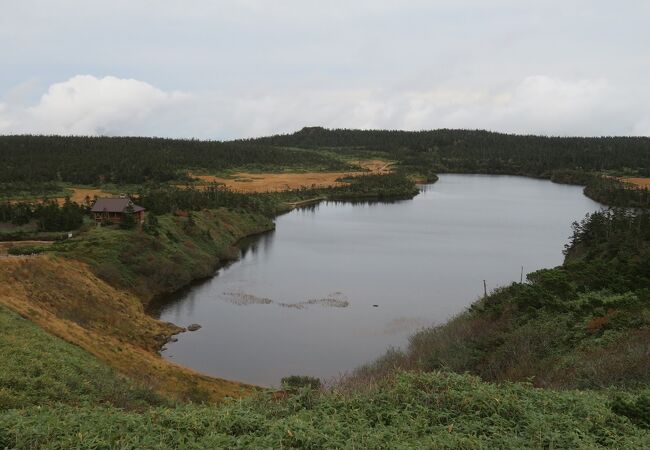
115 204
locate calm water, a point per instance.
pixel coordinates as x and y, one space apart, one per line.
301 299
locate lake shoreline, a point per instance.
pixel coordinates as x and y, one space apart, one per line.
158 302
346 204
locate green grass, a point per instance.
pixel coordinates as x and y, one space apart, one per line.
433 410
154 265
39 369
23 191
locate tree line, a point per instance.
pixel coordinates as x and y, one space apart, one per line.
478 151
620 234
167 199
135 160
48 215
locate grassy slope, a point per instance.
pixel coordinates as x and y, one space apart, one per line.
66 299
434 410
40 369
151 266
75 301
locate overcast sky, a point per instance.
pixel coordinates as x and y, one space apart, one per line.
225 69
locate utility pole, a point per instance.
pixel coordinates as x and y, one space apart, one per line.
484 289
521 278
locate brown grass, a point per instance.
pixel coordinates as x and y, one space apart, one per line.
640 182
274 182
79 195
66 299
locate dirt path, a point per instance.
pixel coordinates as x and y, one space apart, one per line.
274 182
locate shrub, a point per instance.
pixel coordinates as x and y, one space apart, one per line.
297 382
637 410
128 221
16 251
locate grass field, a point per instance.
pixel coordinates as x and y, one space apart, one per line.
640 182
411 410
275 182
81 194
40 369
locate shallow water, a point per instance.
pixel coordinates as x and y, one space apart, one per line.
337 284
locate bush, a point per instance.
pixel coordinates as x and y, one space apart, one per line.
16 251
637 410
409 411
297 382
128 221
151 225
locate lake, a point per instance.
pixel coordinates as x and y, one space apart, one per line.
338 283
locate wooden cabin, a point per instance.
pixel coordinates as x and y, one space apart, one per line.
113 209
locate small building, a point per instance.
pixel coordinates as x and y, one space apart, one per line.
113 209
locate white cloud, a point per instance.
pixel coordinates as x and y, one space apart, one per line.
544 105
86 105
257 67
537 104
642 127
5 122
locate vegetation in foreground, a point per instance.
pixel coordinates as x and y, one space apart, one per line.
39 369
411 410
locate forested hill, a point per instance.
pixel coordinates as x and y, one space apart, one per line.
483 151
134 160
91 160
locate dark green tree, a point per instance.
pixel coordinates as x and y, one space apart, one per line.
151 225
128 220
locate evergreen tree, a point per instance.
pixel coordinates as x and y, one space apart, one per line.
128 220
151 224
191 223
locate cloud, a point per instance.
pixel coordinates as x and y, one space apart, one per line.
5 122
251 67
642 127
542 105
86 105
536 104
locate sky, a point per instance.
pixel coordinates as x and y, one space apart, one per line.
223 69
